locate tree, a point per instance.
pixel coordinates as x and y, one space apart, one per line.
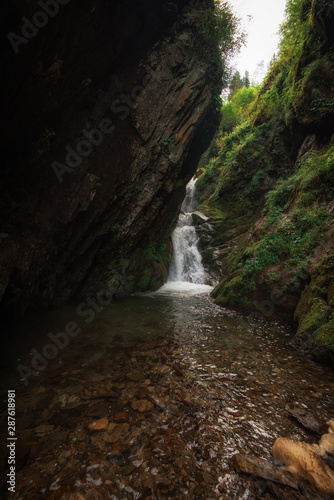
238 109
235 85
220 29
245 81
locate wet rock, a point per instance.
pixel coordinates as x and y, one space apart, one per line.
136 377
309 420
116 449
97 377
68 400
142 405
79 434
163 488
98 409
43 430
121 417
305 463
99 425
140 185
208 478
180 449
263 469
115 432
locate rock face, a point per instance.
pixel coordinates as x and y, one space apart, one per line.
107 110
268 192
206 244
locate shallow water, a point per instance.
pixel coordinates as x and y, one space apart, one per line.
184 385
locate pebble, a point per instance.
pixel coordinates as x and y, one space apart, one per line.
99 425
142 405
159 434
121 417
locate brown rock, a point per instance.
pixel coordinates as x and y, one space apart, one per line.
262 468
121 417
142 405
208 478
115 432
309 420
99 425
97 377
116 449
42 430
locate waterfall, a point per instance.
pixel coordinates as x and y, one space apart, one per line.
186 263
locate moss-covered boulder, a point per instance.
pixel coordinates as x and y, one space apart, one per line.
315 312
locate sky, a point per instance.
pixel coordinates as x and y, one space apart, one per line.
262 34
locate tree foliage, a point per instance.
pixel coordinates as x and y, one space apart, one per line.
235 84
221 31
221 28
238 107
301 74
238 82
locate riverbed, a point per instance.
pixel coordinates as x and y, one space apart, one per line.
177 386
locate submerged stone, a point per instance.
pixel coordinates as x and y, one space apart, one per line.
99 425
142 405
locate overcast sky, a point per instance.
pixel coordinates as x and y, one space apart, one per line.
262 34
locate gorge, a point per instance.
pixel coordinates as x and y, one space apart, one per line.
153 396
123 106
166 256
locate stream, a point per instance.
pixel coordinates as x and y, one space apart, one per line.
151 396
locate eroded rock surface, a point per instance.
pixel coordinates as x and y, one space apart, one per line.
111 104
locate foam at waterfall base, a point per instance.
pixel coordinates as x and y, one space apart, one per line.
183 288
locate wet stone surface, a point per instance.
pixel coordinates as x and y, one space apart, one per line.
153 400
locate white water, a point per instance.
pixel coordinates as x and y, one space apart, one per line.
186 271
183 288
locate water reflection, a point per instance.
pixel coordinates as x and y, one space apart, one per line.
183 385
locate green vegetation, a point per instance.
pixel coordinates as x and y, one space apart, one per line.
238 108
152 264
146 269
165 145
268 185
220 30
220 27
299 81
295 216
315 311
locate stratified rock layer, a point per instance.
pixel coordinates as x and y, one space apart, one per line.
107 110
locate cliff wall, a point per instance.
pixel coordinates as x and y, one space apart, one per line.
268 189
107 107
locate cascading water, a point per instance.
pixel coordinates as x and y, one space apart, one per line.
186 275
186 263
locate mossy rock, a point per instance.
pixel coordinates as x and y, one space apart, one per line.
231 292
325 335
315 311
144 280
311 319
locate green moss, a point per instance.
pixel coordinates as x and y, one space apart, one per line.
294 218
315 311
271 212
144 280
130 287
113 284
150 266
325 336
312 318
231 292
